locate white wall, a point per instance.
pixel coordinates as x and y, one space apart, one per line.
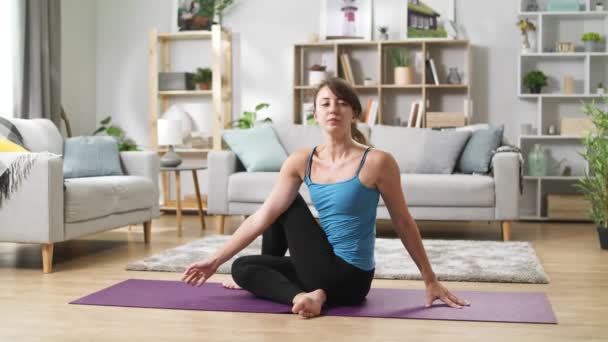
78 58
264 32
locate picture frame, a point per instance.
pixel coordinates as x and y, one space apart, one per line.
430 19
192 15
346 20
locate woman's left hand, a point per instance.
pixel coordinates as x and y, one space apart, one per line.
434 290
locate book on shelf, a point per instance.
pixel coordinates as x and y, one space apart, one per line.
416 114
365 115
431 72
348 71
373 113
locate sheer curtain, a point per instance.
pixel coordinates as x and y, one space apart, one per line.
38 72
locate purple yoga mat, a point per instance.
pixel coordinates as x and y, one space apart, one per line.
387 303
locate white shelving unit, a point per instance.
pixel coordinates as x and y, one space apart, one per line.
587 68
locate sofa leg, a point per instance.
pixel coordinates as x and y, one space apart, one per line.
219 222
506 230
147 231
47 257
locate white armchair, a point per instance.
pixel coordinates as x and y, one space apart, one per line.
46 209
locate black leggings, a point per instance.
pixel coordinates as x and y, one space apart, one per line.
311 265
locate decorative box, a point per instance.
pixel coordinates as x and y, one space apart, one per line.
175 81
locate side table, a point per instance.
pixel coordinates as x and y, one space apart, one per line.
193 168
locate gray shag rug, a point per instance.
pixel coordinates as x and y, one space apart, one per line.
452 260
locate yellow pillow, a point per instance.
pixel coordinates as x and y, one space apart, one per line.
9 146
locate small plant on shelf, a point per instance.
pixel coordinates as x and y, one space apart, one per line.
403 72
535 80
383 30
316 74
600 88
203 77
249 118
592 41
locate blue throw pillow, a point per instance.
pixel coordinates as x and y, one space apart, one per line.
91 157
479 149
258 148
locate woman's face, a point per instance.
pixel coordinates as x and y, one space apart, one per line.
332 113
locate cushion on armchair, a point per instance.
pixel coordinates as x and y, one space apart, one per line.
91 156
257 148
9 132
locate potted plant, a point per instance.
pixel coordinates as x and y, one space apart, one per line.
317 74
592 41
202 77
220 7
600 88
526 26
249 118
383 30
595 184
404 72
124 143
599 6
535 80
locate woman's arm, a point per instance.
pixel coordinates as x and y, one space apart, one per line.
283 194
389 185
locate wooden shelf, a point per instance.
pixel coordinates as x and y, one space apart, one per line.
185 35
447 86
565 96
397 86
184 92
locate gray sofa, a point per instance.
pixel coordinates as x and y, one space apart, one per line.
46 209
451 197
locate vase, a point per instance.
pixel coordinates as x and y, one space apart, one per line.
591 46
383 36
453 76
537 162
525 43
404 75
316 77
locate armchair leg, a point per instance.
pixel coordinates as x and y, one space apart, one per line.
147 231
506 230
219 222
47 257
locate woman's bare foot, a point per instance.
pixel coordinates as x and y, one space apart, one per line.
230 284
309 304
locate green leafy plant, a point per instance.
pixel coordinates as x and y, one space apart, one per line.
220 7
383 29
400 57
249 118
591 37
202 75
535 80
124 143
310 120
595 186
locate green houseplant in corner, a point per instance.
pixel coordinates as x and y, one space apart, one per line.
249 118
535 80
595 184
124 143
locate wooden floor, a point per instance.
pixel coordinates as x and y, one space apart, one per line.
33 306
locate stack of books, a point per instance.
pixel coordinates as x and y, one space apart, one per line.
346 68
416 114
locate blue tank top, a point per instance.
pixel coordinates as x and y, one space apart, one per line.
347 212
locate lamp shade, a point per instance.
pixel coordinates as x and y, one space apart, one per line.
169 132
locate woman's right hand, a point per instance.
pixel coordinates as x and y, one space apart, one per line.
197 273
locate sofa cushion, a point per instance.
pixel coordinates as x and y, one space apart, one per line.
93 197
9 132
456 190
39 135
91 156
257 148
420 150
478 151
255 187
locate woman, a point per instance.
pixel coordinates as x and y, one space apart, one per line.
332 262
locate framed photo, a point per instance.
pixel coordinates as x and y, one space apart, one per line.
428 19
346 19
192 15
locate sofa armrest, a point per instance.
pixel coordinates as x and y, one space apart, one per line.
221 165
506 183
34 213
145 164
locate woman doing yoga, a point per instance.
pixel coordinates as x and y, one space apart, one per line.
331 261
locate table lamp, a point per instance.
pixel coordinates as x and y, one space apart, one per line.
170 134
